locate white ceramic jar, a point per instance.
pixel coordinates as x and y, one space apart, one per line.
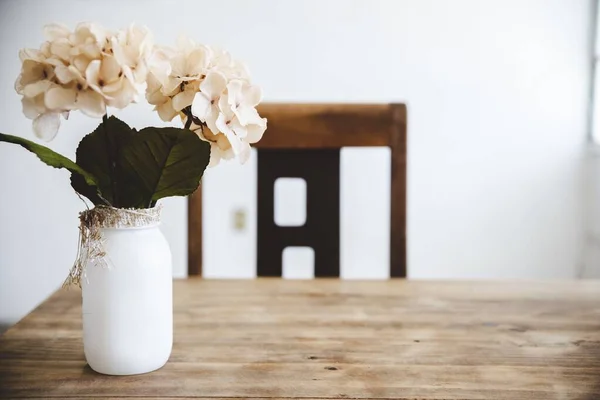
128 304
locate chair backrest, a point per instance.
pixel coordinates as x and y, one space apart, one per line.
304 140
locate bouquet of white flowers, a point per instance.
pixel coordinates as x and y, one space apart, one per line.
127 308
91 69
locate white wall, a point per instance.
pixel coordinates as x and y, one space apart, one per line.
496 93
365 175
591 266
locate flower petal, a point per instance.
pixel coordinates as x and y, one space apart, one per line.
81 63
56 31
85 30
90 50
155 97
33 89
200 106
215 155
224 107
46 125
247 115
171 86
153 94
239 129
183 99
30 108
92 75
222 142
256 131
61 48
33 71
159 64
123 97
214 84
178 65
244 154
252 95
110 69
140 73
60 99
64 74
114 87
211 119
235 93
30 54
166 111
221 123
19 86
232 137
121 55
91 103
197 61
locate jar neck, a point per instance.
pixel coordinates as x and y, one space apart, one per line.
103 217
132 228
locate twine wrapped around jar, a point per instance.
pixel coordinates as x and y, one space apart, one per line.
90 249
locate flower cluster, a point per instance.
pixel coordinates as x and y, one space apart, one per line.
212 92
91 68
87 69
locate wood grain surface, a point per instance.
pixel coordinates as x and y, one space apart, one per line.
272 338
321 126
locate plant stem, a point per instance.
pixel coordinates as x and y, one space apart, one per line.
188 113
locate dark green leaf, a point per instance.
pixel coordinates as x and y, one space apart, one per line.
89 191
100 153
134 169
165 162
54 159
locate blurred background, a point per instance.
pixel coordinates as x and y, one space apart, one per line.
503 168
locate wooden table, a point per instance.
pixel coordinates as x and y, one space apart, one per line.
271 338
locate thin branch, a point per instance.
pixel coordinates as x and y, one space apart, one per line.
188 123
188 114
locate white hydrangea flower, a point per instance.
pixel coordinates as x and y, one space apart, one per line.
243 99
107 78
233 69
205 106
132 49
220 148
209 86
87 69
229 111
176 79
154 95
224 101
92 68
36 78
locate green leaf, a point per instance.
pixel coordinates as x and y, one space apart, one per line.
100 153
166 162
53 159
134 169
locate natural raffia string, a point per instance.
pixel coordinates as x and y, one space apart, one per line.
90 249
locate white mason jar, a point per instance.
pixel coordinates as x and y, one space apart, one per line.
128 297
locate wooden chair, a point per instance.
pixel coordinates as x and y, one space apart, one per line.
304 140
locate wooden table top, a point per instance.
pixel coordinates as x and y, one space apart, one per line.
272 338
